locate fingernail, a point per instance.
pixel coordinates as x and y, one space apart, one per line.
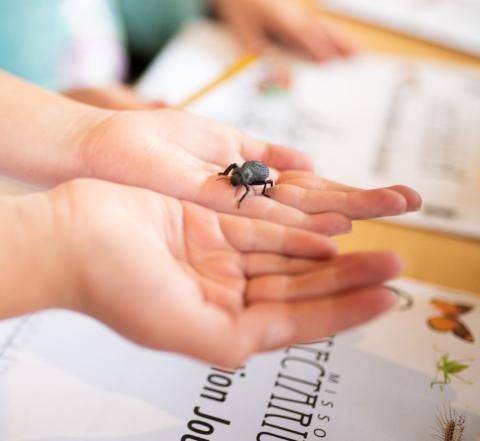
278 335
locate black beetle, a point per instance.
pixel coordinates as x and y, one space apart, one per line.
250 173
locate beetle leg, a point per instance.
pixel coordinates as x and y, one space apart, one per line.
229 169
264 183
268 181
247 189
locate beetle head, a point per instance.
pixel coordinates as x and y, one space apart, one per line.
237 179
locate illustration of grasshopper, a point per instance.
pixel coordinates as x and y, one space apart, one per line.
448 369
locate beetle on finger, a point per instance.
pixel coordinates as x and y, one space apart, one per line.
250 173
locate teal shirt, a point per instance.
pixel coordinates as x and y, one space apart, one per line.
32 37
37 41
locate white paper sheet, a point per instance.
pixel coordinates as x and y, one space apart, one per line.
66 377
368 121
451 23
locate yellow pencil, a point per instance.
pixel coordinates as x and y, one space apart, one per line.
239 65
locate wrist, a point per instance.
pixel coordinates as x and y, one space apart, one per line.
41 132
35 270
78 122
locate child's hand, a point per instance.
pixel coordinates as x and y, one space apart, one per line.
175 276
256 21
179 154
120 97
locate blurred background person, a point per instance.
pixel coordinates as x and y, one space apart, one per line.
88 48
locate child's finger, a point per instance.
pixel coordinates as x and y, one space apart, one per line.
302 38
355 205
343 42
215 336
311 181
254 235
275 325
223 197
337 275
268 326
259 264
249 31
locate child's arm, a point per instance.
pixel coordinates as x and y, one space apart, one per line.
33 277
40 132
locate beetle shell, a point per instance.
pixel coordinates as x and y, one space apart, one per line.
253 171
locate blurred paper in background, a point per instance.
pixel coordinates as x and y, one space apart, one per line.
451 23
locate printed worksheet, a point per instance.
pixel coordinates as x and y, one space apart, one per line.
451 23
368 121
407 376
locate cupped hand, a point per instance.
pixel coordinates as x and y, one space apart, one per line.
258 22
176 276
179 154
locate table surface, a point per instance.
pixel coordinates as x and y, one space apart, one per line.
433 257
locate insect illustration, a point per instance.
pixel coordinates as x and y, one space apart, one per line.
449 320
450 425
250 173
447 369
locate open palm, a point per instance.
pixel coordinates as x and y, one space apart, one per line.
176 276
179 154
